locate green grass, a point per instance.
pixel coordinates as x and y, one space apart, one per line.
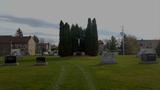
80 73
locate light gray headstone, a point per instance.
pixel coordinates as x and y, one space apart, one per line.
108 58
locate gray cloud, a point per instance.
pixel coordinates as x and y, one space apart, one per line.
53 39
28 21
41 34
6 31
108 33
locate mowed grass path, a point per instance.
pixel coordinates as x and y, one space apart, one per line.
80 73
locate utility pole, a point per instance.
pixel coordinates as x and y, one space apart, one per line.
11 47
79 42
122 34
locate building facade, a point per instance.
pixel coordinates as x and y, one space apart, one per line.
44 48
12 45
148 43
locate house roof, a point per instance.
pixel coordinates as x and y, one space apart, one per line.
149 43
14 40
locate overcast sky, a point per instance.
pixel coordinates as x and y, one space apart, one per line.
41 17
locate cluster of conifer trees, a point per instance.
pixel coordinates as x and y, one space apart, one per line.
75 39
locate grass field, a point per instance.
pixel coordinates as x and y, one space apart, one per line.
80 73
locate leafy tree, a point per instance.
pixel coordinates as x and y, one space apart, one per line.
107 46
121 45
131 45
101 47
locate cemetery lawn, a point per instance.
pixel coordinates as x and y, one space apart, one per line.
80 73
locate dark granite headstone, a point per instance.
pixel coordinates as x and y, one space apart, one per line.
41 61
148 56
10 60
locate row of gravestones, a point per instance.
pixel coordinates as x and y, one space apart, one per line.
12 60
146 58
107 58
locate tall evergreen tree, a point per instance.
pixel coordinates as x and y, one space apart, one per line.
67 40
94 38
91 43
61 39
19 33
75 39
88 38
113 44
82 40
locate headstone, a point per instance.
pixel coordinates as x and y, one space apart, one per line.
74 53
148 56
108 58
83 53
41 61
10 60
